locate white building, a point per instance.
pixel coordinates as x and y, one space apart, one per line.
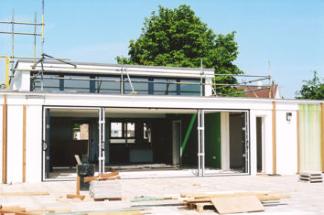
120 116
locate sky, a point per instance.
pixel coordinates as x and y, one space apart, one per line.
281 38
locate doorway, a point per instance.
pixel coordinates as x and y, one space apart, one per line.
260 144
176 140
68 132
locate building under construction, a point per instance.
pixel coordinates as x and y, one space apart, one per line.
140 118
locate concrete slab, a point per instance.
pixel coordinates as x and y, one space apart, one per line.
306 198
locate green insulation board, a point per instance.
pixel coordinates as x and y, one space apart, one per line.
310 137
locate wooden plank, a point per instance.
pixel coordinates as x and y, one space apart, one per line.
25 194
75 196
78 185
105 176
322 135
130 212
4 139
298 142
24 145
206 197
14 210
239 204
274 138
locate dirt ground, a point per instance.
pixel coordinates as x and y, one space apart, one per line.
305 198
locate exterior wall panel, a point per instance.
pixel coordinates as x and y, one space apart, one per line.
286 143
14 143
310 135
34 143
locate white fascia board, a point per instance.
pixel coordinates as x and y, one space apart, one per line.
116 70
154 102
103 99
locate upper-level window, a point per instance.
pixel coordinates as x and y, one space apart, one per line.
163 86
140 85
73 83
50 83
190 87
113 85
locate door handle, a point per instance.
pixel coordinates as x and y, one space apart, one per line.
44 146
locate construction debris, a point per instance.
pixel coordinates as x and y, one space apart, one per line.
238 204
75 196
105 190
16 210
105 176
312 177
225 203
262 196
24 194
126 212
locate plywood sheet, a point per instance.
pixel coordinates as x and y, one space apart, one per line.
237 204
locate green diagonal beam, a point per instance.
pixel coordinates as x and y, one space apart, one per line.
187 135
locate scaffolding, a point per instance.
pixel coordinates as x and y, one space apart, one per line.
35 25
244 83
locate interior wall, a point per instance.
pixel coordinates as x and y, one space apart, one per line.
237 161
162 140
62 146
212 140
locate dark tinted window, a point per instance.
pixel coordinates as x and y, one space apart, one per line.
190 87
164 86
109 85
50 83
140 85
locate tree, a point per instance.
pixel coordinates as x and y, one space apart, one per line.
312 89
177 37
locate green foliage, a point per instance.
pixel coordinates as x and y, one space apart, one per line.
177 37
312 89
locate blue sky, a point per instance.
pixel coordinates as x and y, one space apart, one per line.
289 34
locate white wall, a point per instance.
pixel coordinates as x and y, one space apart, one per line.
14 143
25 81
267 145
1 139
225 141
34 143
286 139
286 131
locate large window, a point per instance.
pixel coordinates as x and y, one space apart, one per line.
112 85
73 83
190 87
140 85
122 132
164 86
109 85
50 83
